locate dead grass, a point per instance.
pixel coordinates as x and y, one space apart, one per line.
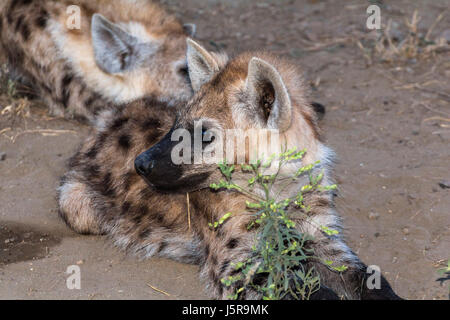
16 108
14 101
159 290
415 45
43 132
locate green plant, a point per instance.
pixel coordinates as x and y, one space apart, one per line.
446 270
281 252
445 273
11 89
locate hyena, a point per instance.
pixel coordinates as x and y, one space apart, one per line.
140 198
123 50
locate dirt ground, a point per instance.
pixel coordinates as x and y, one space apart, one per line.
391 137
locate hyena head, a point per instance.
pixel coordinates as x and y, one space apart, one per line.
131 50
257 99
151 61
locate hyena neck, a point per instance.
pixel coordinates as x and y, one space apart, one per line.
211 206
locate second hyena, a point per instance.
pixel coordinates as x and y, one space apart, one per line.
121 50
104 193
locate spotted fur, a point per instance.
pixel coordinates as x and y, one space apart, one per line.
60 65
103 194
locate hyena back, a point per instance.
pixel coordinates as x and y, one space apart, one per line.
103 194
123 50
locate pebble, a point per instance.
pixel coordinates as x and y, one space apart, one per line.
405 231
9 240
445 184
374 215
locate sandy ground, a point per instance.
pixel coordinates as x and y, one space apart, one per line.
392 143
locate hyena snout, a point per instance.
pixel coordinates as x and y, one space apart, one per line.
144 165
156 166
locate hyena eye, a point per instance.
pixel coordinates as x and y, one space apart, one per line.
207 137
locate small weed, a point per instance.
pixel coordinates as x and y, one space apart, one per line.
444 273
281 251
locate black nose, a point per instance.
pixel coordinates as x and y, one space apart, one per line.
144 166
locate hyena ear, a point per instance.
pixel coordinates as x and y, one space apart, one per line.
190 29
201 64
115 49
267 91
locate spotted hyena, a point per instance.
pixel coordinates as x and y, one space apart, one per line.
122 50
139 198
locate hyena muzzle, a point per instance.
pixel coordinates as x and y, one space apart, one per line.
81 56
139 199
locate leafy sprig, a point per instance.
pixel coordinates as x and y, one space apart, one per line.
280 251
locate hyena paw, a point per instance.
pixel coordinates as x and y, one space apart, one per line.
77 209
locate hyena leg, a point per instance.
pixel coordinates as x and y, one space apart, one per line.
352 283
77 207
232 247
220 256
